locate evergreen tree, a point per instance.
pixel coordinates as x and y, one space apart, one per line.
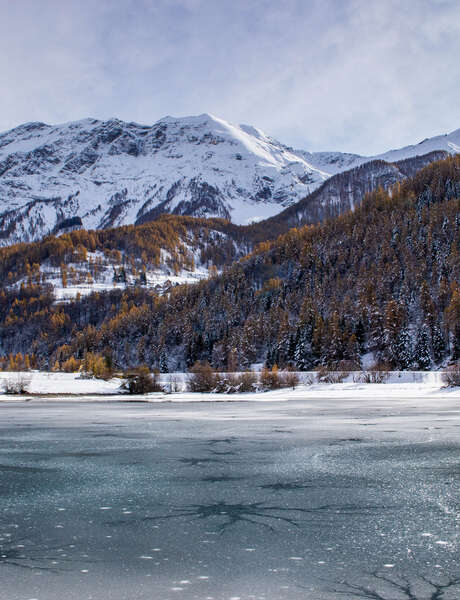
360 334
303 354
163 361
352 351
232 360
453 322
391 334
402 352
422 352
438 342
270 359
334 352
219 355
456 342
283 344
318 339
376 335
246 345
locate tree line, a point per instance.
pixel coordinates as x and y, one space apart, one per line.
383 279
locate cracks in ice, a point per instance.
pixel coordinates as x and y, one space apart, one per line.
420 587
257 514
25 554
195 461
292 485
220 478
227 440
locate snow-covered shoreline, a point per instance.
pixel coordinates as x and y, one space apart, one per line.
403 385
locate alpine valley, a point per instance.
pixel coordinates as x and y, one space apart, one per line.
194 239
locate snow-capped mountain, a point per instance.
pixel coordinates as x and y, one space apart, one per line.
450 142
99 174
333 162
108 173
337 162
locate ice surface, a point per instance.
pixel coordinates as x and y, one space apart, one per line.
314 498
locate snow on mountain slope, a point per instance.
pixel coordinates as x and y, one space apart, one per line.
158 255
450 142
99 174
337 162
160 279
334 162
109 173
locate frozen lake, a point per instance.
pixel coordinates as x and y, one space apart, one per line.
338 498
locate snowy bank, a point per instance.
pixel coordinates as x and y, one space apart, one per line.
402 385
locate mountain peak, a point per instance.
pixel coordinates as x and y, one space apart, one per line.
191 119
112 172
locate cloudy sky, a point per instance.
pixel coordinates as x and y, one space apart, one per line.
352 75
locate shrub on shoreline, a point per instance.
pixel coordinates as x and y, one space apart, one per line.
141 381
236 383
18 383
451 376
202 378
325 375
270 378
289 379
174 384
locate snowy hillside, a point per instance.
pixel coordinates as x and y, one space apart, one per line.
83 278
337 162
157 255
450 142
333 162
99 174
111 173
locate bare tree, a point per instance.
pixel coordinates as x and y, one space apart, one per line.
17 383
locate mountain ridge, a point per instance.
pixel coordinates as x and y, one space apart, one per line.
111 173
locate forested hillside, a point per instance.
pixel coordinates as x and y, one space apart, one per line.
381 279
172 247
346 190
